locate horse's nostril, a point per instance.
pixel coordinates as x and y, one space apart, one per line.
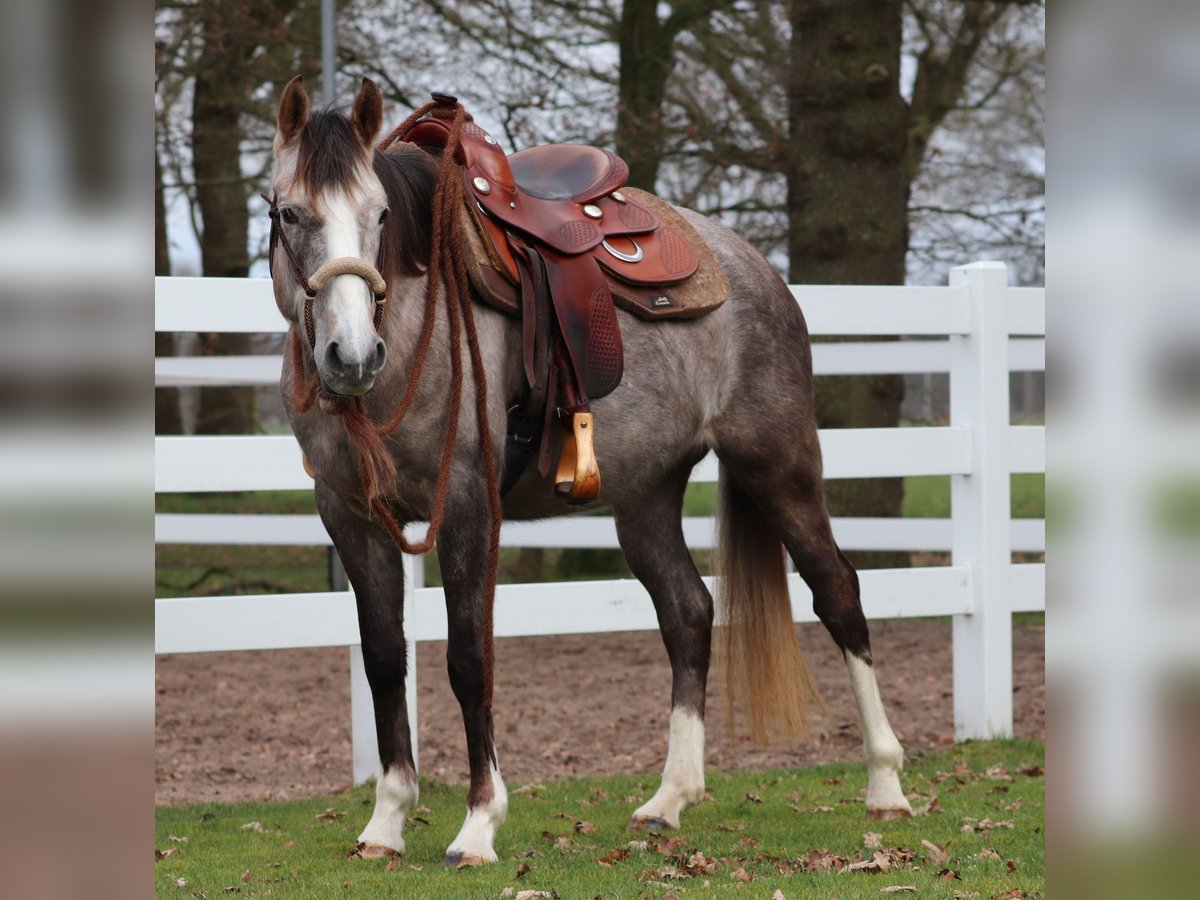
332 358
378 359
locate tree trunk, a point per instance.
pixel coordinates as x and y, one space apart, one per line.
167 419
646 60
221 89
847 201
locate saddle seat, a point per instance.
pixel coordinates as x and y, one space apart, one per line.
575 173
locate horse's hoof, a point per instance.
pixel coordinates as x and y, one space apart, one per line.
460 860
648 823
889 812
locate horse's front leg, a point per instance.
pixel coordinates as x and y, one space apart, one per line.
463 554
376 571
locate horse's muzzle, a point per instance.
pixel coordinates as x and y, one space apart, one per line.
349 371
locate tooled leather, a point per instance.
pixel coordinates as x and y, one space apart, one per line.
580 323
605 361
667 258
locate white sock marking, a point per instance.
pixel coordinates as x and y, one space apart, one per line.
395 797
477 836
683 775
885 756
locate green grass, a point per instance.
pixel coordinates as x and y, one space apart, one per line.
990 796
929 497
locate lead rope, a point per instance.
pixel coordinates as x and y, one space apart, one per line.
447 268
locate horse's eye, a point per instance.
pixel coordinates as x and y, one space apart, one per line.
383 215
289 215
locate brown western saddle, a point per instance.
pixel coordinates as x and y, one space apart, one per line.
553 235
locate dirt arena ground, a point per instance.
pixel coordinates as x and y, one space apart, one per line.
276 724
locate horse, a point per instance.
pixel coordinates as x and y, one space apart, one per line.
737 382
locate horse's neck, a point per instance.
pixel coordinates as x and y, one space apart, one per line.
499 339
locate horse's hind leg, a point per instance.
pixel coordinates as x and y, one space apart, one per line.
375 568
781 473
651 535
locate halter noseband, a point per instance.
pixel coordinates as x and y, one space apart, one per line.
342 265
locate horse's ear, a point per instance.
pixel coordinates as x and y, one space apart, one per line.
293 110
367 114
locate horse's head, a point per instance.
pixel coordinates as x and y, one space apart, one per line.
329 207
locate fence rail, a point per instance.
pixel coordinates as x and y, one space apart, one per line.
986 330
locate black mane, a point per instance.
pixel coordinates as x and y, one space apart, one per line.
409 177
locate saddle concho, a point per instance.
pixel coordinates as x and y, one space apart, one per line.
553 235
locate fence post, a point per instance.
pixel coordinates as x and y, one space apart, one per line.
362 711
980 507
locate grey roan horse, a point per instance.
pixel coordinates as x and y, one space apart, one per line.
737 382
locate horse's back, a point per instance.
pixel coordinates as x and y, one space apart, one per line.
681 376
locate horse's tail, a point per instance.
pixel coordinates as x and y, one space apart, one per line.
766 679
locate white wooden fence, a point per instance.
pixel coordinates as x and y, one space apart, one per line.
992 330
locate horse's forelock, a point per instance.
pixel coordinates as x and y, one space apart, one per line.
330 156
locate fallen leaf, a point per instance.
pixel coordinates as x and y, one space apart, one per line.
833 781
937 855
740 826
997 773
616 855
932 806
899 889
180 882
530 788
1012 866
671 844
507 892
536 895
562 841
823 861
639 845
740 874
523 869
329 815
423 809
949 875
778 895
394 864
177 838
290 844
163 854
247 877
252 826
754 798
584 827
872 840
879 862
1033 771
562 815
988 853
699 864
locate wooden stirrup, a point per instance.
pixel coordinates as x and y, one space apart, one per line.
578 477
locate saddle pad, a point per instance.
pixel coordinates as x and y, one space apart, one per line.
700 294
